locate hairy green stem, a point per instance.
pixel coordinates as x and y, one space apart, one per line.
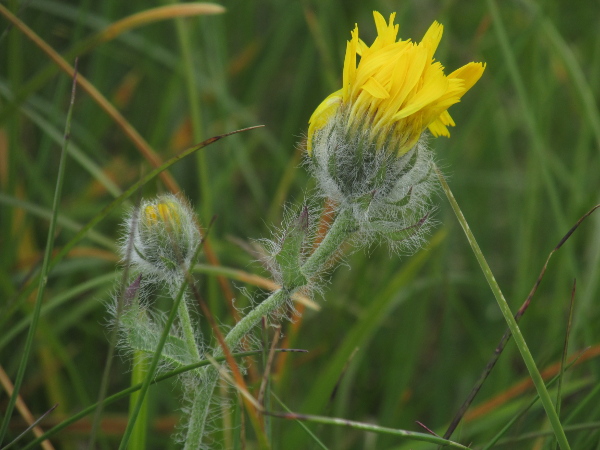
200 409
187 328
197 421
340 230
244 326
343 226
154 363
138 373
201 403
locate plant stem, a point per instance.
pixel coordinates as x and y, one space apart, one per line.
133 415
510 320
188 328
202 402
138 372
341 228
197 420
200 409
124 393
343 225
244 326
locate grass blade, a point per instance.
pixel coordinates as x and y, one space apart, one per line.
507 334
368 427
126 392
126 195
43 277
510 320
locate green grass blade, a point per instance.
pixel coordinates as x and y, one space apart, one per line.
43 278
299 422
521 413
510 320
372 428
126 392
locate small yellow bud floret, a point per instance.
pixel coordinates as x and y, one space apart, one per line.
164 212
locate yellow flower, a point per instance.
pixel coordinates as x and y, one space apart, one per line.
397 90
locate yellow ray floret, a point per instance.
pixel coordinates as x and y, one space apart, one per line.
397 87
163 212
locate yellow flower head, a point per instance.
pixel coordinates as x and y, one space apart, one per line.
364 141
397 90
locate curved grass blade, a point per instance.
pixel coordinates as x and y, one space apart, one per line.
254 280
154 15
537 379
119 200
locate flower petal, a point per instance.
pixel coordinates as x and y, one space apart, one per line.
373 87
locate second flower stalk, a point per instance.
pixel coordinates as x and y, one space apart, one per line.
162 238
295 271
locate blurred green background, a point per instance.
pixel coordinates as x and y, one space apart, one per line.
523 163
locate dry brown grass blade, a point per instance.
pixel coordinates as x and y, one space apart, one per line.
23 410
238 383
77 252
258 281
157 14
138 141
526 384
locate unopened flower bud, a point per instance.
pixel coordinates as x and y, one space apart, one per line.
164 235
